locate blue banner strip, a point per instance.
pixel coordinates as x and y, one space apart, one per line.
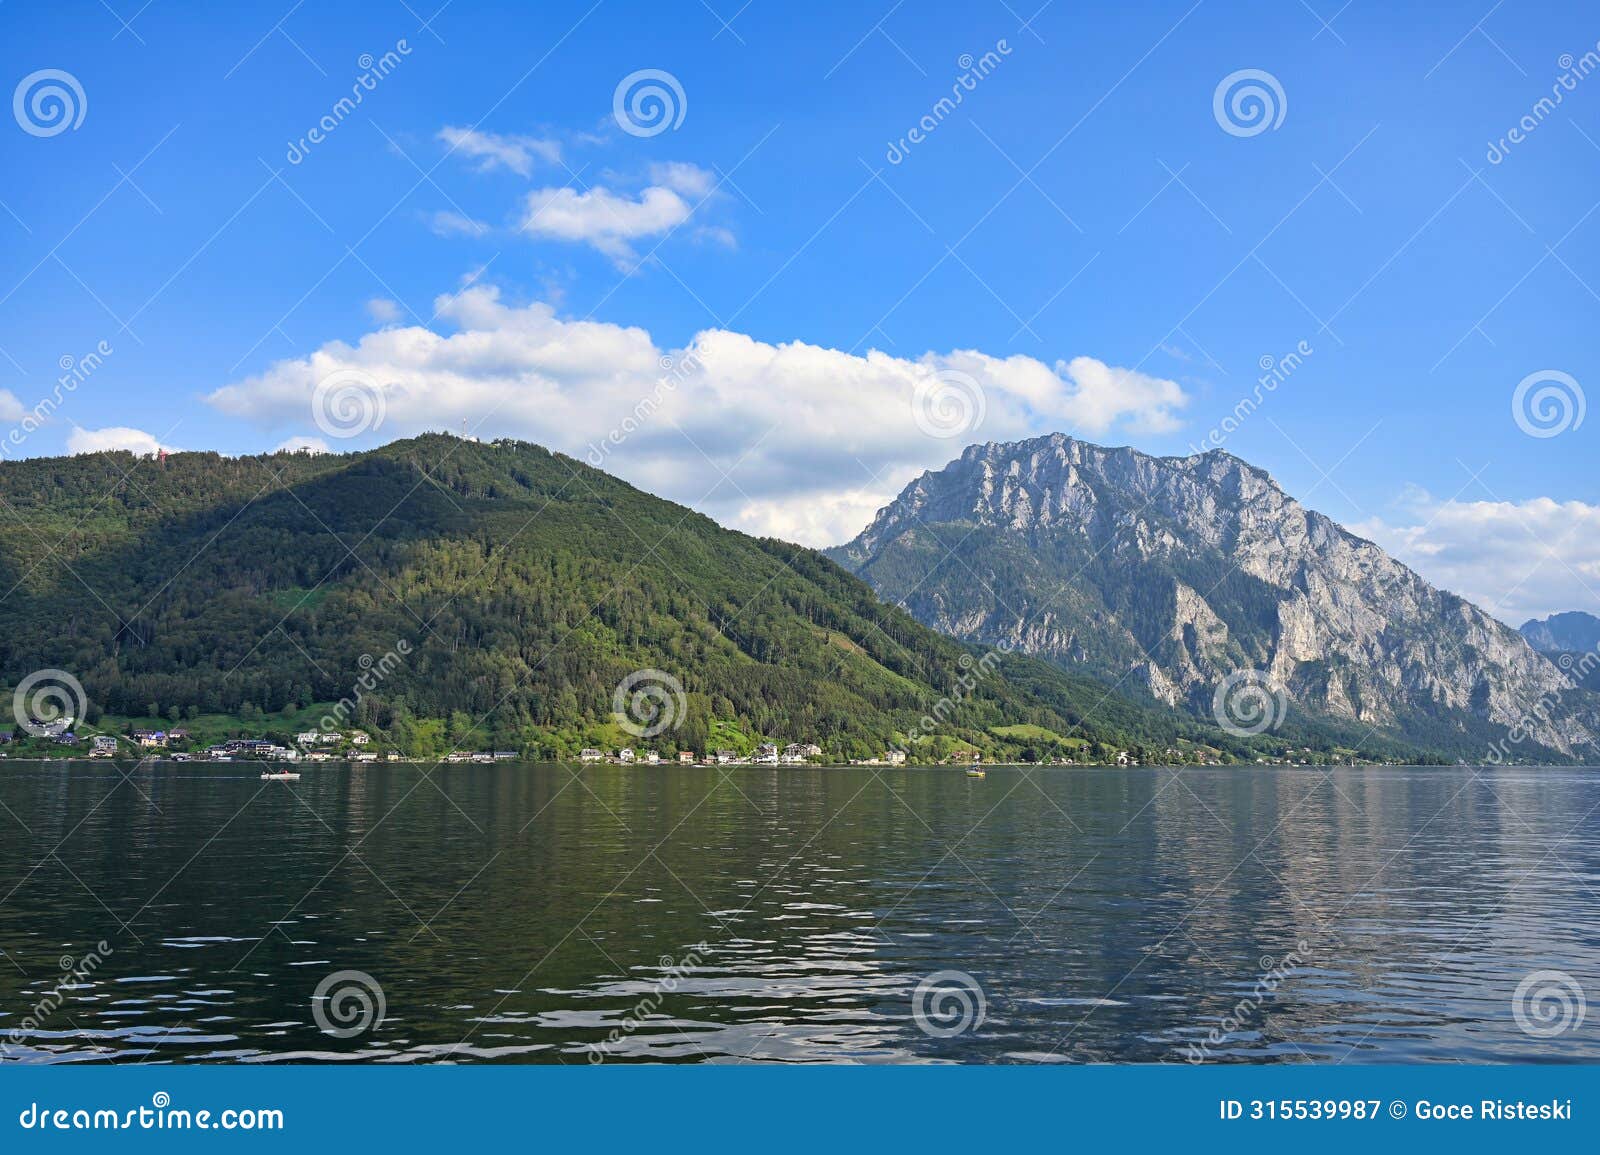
768 1109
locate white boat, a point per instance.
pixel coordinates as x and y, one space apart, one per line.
279 776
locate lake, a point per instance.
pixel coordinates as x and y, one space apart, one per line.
551 914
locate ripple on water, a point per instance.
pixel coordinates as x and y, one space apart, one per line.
1422 899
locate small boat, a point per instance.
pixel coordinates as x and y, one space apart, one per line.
279 776
976 769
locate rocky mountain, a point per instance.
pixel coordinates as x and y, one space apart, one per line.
1570 640
1173 574
1568 633
453 594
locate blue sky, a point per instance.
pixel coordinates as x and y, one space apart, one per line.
1081 243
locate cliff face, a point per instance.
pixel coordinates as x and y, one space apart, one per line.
1172 573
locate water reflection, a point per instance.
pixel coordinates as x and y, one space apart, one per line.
522 913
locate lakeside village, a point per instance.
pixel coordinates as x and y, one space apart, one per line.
179 744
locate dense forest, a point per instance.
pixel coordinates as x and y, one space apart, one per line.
458 594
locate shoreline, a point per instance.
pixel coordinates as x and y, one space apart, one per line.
301 767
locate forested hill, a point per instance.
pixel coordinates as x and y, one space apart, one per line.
512 590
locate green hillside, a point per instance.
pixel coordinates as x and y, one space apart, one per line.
491 596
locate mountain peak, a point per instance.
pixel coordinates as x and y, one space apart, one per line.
1565 633
1174 573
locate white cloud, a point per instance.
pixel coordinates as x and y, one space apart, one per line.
602 218
1516 559
10 408
310 444
717 235
812 440
113 437
681 177
383 310
449 224
493 150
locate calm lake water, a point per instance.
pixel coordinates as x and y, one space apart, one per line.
547 914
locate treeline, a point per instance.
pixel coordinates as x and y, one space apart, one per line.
494 594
